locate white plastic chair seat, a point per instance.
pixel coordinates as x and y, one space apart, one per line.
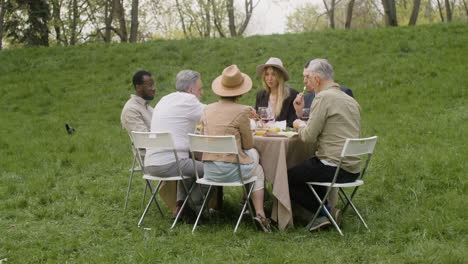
339 185
227 184
156 178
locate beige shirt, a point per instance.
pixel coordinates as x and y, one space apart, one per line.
136 115
228 118
334 116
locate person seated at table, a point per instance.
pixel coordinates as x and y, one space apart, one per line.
276 95
334 117
136 114
227 117
178 113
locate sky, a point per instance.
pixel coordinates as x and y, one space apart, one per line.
269 16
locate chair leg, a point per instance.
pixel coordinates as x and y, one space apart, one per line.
355 209
318 210
182 207
144 194
322 203
187 192
246 203
129 183
201 209
351 198
152 198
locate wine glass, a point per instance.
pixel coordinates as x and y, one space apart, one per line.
305 114
266 114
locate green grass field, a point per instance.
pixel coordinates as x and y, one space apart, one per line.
61 196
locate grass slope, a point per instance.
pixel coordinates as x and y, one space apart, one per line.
62 196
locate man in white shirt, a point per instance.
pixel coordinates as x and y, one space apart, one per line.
136 114
178 113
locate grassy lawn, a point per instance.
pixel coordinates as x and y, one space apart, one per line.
61 196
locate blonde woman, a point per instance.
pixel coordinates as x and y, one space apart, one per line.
276 94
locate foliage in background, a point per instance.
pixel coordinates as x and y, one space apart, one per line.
62 196
367 14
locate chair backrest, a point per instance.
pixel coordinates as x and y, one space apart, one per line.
213 144
358 146
152 140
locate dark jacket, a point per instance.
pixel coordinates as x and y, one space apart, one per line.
288 112
309 97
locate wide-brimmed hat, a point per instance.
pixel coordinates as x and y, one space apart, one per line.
273 62
232 82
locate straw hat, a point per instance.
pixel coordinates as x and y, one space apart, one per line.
273 62
232 82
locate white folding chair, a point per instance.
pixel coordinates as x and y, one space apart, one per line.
161 141
225 145
135 168
352 148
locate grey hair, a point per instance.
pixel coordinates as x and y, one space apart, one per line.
185 79
321 67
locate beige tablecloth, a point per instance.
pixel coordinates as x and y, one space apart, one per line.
277 154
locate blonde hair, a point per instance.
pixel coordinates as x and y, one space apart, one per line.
283 90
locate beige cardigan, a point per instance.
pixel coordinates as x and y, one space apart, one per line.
228 118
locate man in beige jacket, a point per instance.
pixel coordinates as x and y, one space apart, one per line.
334 116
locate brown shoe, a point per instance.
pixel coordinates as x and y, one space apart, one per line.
178 206
336 214
263 223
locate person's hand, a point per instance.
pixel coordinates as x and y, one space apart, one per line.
253 114
299 104
299 123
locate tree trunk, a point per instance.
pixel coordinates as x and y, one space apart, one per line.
248 14
231 18
440 11
349 14
120 12
206 7
217 20
56 20
108 17
466 7
181 18
134 23
448 9
414 13
2 15
38 18
390 13
74 22
332 14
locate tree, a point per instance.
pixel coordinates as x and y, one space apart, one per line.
448 9
330 12
28 22
234 28
119 12
2 16
349 14
414 13
134 22
466 7
440 11
390 13
306 18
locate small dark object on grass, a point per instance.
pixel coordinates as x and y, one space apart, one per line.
70 130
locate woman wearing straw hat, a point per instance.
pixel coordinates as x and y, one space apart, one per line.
227 117
276 94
